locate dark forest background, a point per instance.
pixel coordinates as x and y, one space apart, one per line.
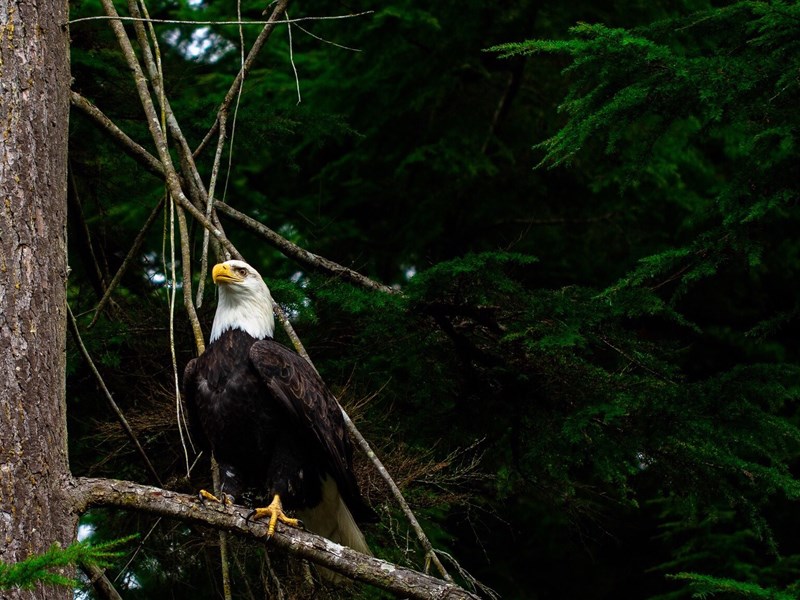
588 386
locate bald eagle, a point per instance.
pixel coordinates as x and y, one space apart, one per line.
273 426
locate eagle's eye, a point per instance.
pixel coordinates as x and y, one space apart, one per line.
242 271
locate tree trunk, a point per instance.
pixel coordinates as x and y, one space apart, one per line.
34 109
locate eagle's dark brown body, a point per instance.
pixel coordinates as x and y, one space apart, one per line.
271 423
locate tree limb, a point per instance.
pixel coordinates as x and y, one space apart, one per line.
301 255
101 584
95 492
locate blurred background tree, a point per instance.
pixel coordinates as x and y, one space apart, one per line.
588 386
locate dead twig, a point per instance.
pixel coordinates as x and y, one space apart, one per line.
430 552
132 253
262 38
210 205
302 256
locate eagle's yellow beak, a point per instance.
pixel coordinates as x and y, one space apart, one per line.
223 273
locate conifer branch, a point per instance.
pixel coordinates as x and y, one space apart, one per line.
46 567
95 492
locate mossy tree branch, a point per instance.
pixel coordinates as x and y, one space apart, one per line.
94 493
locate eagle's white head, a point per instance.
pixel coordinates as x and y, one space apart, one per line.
244 301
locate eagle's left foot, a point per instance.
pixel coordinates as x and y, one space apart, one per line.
226 499
275 513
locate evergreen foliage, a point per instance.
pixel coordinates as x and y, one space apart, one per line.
50 567
664 100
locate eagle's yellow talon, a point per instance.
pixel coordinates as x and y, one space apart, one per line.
275 513
225 501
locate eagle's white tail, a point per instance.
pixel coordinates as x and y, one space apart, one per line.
332 519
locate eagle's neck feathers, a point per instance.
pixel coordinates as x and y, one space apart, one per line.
246 308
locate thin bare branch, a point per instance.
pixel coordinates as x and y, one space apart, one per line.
430 552
302 256
139 548
223 537
291 59
186 271
112 403
132 254
486 590
210 205
262 38
91 492
237 22
316 37
186 289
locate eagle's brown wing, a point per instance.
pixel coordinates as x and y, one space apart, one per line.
298 387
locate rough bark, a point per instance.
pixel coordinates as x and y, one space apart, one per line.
88 492
34 109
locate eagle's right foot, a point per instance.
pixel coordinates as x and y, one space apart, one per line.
275 513
227 499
